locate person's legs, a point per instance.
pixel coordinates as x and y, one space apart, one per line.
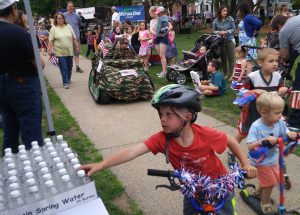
76 58
63 67
224 57
69 61
88 51
231 58
11 129
162 55
240 137
294 117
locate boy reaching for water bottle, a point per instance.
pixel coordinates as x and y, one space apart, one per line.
183 141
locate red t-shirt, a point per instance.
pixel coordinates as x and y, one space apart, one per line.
199 156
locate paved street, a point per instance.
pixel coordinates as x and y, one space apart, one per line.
111 127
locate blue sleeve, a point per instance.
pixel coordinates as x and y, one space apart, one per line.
158 27
283 128
214 27
232 26
252 135
254 21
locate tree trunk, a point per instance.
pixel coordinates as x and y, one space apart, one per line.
58 4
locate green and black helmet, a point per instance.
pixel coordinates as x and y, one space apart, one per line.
176 95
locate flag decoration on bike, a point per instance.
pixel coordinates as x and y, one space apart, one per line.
205 189
295 100
103 48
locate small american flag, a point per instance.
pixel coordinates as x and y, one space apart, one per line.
53 59
103 48
295 100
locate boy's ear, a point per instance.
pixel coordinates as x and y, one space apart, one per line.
260 62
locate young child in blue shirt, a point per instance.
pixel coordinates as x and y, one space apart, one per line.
217 86
268 127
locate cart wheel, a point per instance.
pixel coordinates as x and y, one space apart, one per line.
287 183
180 78
171 75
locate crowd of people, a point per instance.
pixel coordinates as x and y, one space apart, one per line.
181 140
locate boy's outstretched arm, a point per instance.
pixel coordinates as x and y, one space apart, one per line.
119 157
236 149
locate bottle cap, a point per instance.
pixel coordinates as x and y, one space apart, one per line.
26 163
81 173
44 170
21 147
49 144
38 159
56 160
64 145
76 166
14 186
65 178
62 171
8 160
27 169
59 137
34 143
47 176
29 175
15 193
49 183
30 181
7 150
11 166
47 140
36 147
8 155
51 149
37 153
59 165
23 157
33 189
71 156
53 154
12 172
67 150
42 164
75 161
13 179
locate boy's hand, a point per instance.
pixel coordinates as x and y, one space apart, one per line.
250 170
272 140
259 91
282 91
292 135
90 169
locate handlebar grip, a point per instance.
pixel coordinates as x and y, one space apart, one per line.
160 173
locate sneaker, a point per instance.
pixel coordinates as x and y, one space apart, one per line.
149 64
67 86
162 75
70 82
78 69
268 209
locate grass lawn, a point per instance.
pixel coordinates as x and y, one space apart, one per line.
109 188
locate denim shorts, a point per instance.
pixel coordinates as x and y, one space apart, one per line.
161 40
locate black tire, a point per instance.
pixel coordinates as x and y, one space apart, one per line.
103 98
180 78
171 74
287 183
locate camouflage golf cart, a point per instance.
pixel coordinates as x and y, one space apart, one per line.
122 79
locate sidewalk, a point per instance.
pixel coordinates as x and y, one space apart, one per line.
112 127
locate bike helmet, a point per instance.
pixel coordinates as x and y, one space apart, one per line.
176 95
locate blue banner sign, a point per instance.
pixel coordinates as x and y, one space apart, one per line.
132 13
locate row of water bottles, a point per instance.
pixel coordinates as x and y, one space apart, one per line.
39 173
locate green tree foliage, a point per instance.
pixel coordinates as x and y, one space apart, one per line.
296 4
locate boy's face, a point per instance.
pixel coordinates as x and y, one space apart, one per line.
89 33
210 68
202 49
270 64
170 122
272 116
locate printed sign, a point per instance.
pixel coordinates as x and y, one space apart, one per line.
63 201
87 13
132 13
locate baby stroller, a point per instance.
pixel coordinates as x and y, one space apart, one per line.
179 72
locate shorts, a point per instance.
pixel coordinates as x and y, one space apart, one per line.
215 93
77 53
144 50
268 176
227 209
161 40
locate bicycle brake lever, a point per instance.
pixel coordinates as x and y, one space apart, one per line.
172 188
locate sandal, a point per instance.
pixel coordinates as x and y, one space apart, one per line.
267 209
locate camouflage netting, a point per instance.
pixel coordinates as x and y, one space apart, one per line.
125 88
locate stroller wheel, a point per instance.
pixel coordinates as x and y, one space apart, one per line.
180 78
171 74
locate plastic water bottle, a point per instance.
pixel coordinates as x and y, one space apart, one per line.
47 177
74 161
29 175
44 170
16 199
47 140
13 179
71 156
56 160
50 189
30 182
33 194
62 172
26 163
34 144
14 186
83 179
2 204
7 150
36 162
76 167
66 183
21 147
